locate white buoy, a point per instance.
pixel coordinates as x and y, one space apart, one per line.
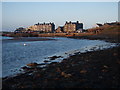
25 44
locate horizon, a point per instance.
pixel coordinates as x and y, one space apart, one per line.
88 13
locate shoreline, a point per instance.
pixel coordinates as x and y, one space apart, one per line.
94 69
95 37
27 39
76 71
58 57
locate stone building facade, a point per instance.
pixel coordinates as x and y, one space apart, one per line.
71 27
59 29
20 30
43 27
32 28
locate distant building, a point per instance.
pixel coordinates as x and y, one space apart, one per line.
79 31
59 29
43 27
20 30
32 28
69 27
72 26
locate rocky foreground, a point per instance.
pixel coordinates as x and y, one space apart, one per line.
97 69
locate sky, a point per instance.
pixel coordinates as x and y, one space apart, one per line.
24 14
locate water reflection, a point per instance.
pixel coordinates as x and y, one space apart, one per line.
15 55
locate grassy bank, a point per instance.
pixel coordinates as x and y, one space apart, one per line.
110 33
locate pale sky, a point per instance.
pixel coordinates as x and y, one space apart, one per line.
24 14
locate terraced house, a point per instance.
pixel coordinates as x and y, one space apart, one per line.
71 27
43 27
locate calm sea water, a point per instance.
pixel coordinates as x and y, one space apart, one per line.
15 55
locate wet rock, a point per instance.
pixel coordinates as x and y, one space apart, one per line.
100 77
54 57
56 78
24 68
46 61
64 60
82 80
104 70
42 64
32 64
105 66
65 75
29 68
58 70
37 75
115 54
118 62
83 71
53 63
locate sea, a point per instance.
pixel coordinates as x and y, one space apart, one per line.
15 54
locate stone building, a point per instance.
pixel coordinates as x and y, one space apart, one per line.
20 30
32 28
72 26
43 27
59 29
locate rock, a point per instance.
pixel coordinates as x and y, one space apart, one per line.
56 78
54 57
24 67
82 80
83 71
62 73
53 63
65 75
118 62
46 61
105 66
42 64
104 70
27 68
58 70
100 77
32 64
38 75
115 54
